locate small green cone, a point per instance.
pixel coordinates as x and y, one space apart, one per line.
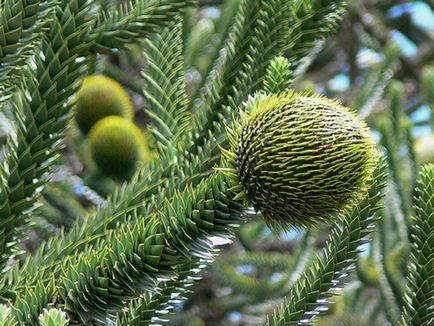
117 146
99 97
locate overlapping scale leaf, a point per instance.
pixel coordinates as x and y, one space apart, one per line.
134 20
99 283
20 24
278 78
6 316
194 215
152 307
53 317
165 78
30 303
41 116
419 297
145 192
189 220
131 260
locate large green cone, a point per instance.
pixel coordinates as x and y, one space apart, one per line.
300 159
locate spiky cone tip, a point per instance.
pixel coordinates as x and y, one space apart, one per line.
299 159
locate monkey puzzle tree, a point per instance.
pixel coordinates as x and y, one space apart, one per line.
238 136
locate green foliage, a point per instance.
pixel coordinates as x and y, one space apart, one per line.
165 77
20 28
420 287
6 316
144 310
227 274
108 277
53 317
94 286
29 304
278 77
134 20
40 118
133 254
